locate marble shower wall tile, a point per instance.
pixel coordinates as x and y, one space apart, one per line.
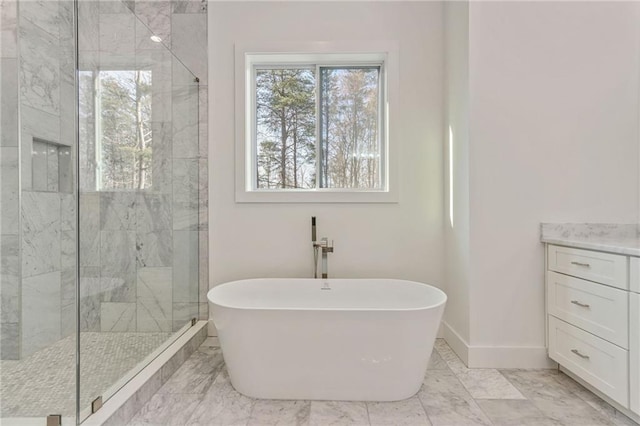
9 279
189 40
189 6
8 28
67 250
68 302
155 17
185 194
161 161
9 180
87 124
9 341
203 121
66 32
8 100
118 317
185 269
88 20
39 67
154 299
116 33
183 313
40 233
67 212
89 243
153 212
116 6
44 14
184 113
40 311
90 298
153 230
118 211
181 76
203 279
68 97
154 248
118 266
203 194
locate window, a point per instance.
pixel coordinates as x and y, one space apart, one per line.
123 129
318 127
314 125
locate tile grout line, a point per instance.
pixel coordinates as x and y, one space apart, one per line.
422 405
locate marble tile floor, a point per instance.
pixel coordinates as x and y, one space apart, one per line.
44 383
200 393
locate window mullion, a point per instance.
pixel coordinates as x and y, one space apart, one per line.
319 151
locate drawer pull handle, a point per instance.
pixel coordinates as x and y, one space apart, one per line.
586 265
582 305
577 352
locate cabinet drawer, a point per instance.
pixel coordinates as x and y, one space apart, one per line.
634 352
634 274
605 268
596 308
598 362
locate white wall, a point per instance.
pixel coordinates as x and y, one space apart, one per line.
456 231
553 138
402 240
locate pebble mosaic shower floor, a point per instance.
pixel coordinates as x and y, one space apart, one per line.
44 383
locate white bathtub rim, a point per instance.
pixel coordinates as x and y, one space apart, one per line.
441 302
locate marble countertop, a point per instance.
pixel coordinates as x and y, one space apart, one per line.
612 238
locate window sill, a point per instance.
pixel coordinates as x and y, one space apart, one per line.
317 196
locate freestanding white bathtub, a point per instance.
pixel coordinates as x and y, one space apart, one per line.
319 339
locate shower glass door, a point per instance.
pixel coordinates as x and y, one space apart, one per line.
37 211
138 197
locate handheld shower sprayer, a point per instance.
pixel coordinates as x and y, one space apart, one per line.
313 229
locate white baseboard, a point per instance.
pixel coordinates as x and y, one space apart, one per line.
456 342
497 356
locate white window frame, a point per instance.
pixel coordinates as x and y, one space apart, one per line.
250 55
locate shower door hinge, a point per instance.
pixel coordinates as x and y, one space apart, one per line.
193 321
196 80
96 404
54 420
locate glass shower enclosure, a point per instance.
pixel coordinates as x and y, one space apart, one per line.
98 200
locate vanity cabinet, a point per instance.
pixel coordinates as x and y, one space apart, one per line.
593 319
